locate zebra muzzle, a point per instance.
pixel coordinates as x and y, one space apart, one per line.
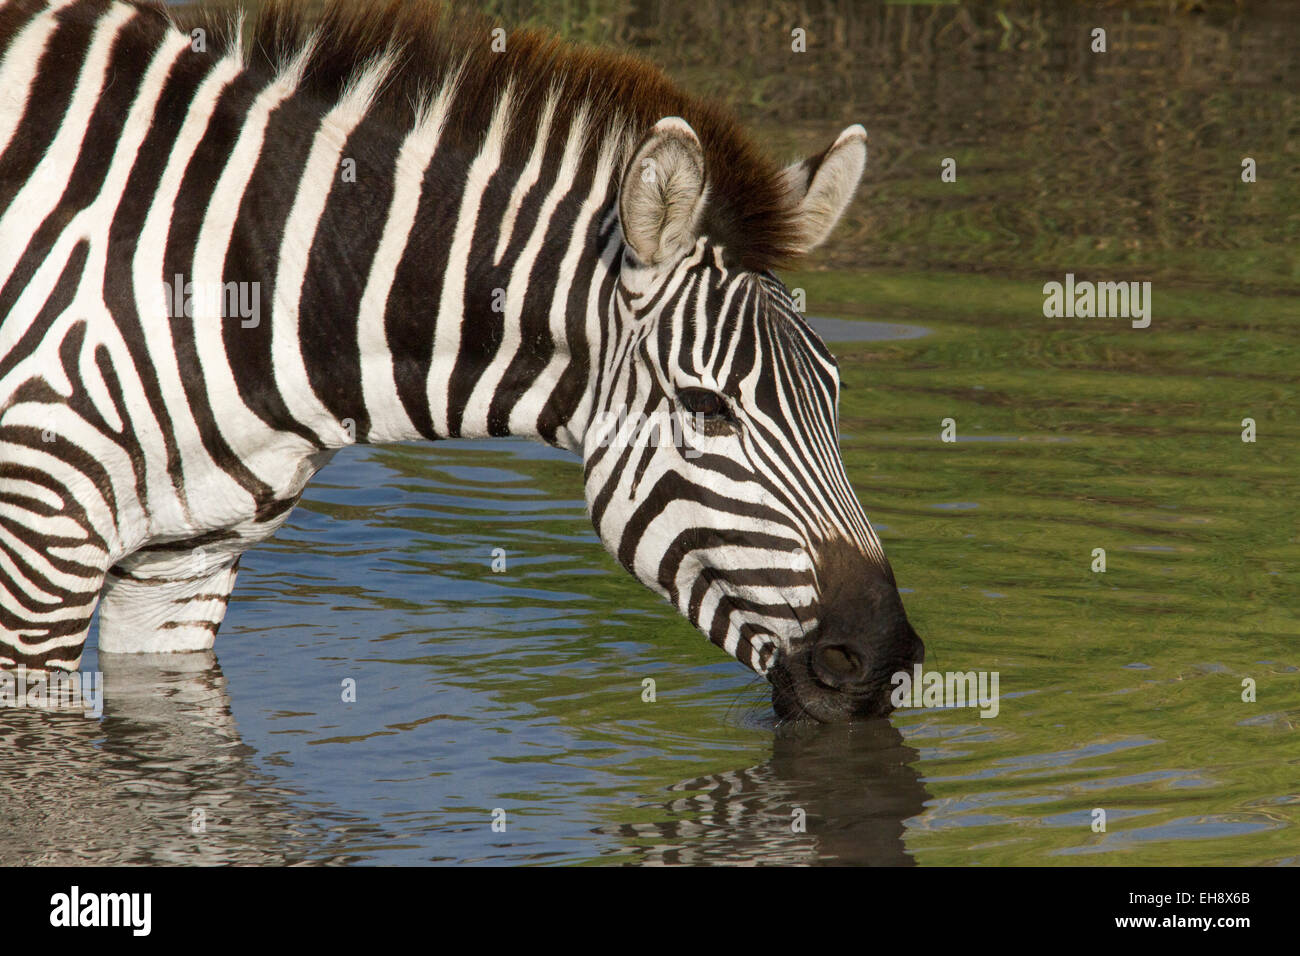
843 669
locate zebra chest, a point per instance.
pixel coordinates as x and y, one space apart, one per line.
217 509
170 593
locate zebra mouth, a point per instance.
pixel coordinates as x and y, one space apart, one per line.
800 694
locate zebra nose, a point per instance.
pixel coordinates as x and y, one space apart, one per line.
838 665
850 664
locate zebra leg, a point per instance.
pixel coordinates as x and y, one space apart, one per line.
166 599
41 630
49 580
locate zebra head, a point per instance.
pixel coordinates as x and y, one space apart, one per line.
712 466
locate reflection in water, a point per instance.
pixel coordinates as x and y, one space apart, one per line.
854 785
131 788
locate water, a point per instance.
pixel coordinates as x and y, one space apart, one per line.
522 691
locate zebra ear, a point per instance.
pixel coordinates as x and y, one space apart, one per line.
662 193
821 187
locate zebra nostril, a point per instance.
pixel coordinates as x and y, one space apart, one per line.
836 664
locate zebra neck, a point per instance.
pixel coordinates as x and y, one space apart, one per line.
473 307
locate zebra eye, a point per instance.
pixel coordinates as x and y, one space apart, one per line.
702 402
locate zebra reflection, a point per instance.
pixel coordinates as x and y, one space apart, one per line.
828 794
166 778
163 778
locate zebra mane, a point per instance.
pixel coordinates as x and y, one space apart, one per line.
421 48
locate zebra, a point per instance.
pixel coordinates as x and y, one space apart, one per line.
230 247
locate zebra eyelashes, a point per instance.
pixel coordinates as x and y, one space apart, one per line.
712 413
701 401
